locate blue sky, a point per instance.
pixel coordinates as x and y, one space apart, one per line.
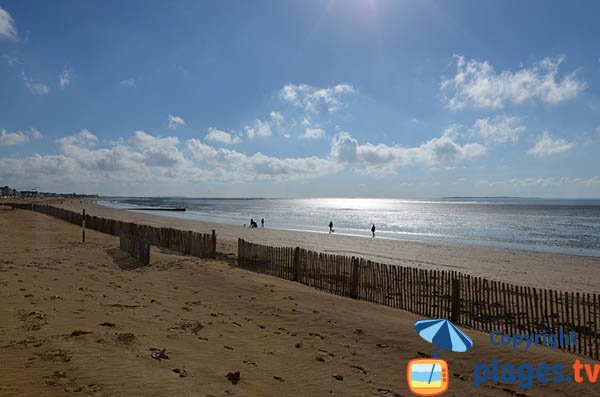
301 98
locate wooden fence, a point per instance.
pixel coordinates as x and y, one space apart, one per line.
135 246
466 300
184 241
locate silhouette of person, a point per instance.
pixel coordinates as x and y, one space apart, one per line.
262 222
331 227
252 223
373 230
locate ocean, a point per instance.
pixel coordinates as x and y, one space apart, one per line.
556 226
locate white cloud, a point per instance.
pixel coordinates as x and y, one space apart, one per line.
161 152
18 137
444 150
258 129
313 99
220 136
499 129
277 118
232 165
547 146
8 29
415 120
129 83
35 87
552 181
148 159
83 138
144 158
64 78
175 121
313 133
476 84
12 138
437 151
35 134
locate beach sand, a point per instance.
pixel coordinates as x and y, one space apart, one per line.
544 270
82 318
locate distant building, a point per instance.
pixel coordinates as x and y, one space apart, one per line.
29 193
6 191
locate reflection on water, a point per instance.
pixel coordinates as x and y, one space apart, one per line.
559 226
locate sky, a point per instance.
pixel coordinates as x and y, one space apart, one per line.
303 98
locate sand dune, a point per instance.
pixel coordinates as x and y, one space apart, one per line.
82 318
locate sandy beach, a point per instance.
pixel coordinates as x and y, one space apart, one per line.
82 318
555 271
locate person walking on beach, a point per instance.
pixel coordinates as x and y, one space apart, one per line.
331 227
373 230
262 222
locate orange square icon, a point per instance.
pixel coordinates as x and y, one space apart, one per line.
427 376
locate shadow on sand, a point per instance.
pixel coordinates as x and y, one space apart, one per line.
123 259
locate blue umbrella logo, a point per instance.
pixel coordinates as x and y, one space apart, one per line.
443 334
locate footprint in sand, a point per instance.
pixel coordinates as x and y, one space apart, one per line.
56 355
181 372
69 384
33 320
358 369
125 338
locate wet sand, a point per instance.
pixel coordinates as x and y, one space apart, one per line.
82 318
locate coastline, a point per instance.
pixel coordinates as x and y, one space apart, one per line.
556 271
80 319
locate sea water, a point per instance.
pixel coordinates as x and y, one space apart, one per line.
557 226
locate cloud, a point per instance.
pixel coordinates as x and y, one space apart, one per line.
313 133
161 152
175 121
232 165
219 136
83 138
18 137
499 129
476 84
129 83
36 88
553 181
277 118
8 29
64 78
12 138
143 158
547 146
442 150
313 99
258 129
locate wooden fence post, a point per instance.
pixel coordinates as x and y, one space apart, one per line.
83 227
213 252
455 308
354 278
296 265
